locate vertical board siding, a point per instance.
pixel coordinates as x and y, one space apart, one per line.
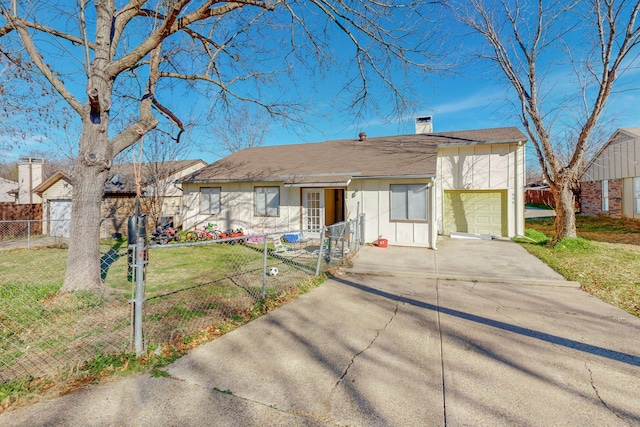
483 163
619 159
482 167
375 198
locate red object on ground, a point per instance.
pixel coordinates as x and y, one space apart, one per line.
381 243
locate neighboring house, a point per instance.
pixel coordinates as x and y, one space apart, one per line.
7 191
610 185
157 184
30 175
411 187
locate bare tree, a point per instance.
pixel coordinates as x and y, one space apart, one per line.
238 129
531 43
20 103
140 59
160 156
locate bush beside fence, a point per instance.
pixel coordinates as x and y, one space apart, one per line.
188 287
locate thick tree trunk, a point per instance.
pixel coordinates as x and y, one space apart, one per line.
565 223
91 171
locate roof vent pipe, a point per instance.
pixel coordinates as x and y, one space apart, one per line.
362 136
424 124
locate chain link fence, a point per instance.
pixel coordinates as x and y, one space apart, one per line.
188 287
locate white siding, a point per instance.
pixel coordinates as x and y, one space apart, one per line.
373 197
237 208
5 187
60 190
484 167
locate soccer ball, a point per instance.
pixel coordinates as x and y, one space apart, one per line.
273 271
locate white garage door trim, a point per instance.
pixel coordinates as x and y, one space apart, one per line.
476 211
59 217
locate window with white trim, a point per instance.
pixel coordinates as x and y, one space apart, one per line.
210 200
408 202
267 201
636 193
605 195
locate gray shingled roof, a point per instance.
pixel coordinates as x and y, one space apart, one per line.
340 160
122 177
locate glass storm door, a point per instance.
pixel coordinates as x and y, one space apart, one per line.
312 208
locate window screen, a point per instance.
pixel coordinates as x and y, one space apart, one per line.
409 202
605 196
267 201
210 200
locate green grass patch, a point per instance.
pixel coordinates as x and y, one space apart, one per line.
609 271
533 236
595 228
573 245
213 274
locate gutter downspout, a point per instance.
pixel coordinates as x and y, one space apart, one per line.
520 166
433 228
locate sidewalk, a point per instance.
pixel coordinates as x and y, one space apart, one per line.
398 350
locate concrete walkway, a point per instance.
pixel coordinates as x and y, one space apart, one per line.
531 212
395 347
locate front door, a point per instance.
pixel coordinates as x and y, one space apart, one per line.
312 208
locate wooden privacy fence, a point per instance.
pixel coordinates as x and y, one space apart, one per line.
22 215
540 196
544 196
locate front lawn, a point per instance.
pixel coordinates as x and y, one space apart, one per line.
605 259
205 287
598 228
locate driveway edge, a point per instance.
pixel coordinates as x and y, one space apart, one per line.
461 278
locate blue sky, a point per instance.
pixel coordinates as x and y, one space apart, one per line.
455 103
474 98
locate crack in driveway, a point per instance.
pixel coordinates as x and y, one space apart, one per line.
355 356
595 389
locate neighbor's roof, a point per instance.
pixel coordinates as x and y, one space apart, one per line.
337 162
57 176
122 176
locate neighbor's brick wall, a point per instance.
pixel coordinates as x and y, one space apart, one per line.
591 198
615 198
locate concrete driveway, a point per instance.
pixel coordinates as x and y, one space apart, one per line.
399 346
499 260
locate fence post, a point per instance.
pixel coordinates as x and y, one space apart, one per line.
28 234
139 273
264 269
362 219
320 250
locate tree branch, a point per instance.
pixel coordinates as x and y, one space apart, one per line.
36 58
171 24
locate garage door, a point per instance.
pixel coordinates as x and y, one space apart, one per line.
59 217
478 212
